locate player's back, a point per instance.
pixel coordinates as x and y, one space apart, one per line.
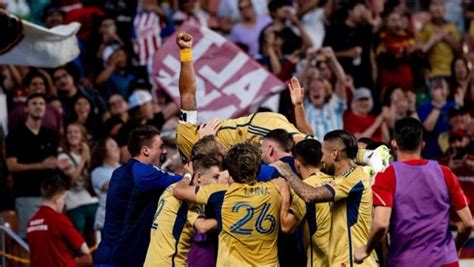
252 127
248 222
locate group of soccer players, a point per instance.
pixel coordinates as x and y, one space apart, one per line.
231 194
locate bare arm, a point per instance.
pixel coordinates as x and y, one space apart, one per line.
337 69
464 227
288 221
184 191
187 77
308 193
297 96
431 120
379 228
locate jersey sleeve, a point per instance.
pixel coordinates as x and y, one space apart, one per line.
456 195
204 193
148 177
341 187
186 137
297 206
70 234
384 187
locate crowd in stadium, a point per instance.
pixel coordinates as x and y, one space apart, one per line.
385 71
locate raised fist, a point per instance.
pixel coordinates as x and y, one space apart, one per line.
184 40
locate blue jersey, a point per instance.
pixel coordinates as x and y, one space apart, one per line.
268 172
132 198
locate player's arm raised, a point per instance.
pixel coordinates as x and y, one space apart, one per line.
297 97
187 79
308 193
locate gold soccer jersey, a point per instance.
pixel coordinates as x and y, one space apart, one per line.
351 217
316 223
250 128
171 232
248 222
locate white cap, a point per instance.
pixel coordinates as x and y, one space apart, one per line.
138 98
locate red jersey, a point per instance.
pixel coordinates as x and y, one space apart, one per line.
385 186
52 238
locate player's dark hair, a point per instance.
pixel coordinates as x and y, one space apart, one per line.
308 152
204 162
408 133
243 162
52 186
35 95
141 136
205 146
282 138
348 140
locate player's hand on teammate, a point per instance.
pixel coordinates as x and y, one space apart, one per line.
360 254
283 168
184 40
209 128
296 91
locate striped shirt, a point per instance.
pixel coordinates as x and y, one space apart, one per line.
327 118
147 37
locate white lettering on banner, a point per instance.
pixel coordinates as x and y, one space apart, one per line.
203 98
228 82
247 87
219 79
209 38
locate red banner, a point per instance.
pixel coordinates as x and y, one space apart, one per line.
228 81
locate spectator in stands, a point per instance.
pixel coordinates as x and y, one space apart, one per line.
397 106
358 119
31 157
118 107
36 82
461 83
434 116
81 206
394 47
84 115
248 30
105 159
52 239
142 112
458 120
68 92
53 16
117 75
190 11
314 15
351 41
439 39
229 9
323 109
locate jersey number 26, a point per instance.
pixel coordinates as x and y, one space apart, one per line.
263 216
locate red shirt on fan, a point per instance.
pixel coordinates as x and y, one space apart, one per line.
358 124
52 238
